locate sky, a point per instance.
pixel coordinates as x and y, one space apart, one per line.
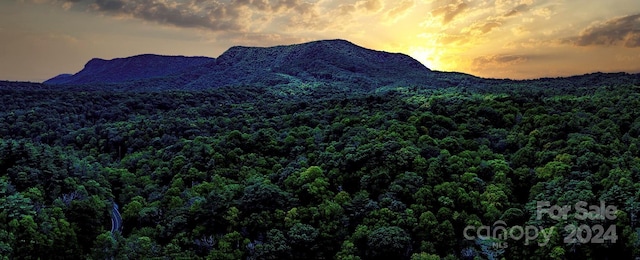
518 39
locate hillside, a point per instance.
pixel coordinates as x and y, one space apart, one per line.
335 62
330 61
135 68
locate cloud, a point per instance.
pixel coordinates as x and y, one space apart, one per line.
499 60
471 34
65 4
109 5
533 43
519 9
483 27
450 39
448 9
519 30
346 9
399 10
623 31
370 5
245 16
212 15
545 12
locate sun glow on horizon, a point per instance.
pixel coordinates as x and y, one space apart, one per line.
427 56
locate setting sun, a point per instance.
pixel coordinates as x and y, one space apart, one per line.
426 56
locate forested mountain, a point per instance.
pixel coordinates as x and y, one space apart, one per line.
319 167
335 62
136 68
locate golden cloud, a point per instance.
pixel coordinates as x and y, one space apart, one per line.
624 31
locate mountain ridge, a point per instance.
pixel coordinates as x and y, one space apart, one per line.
138 67
336 63
324 61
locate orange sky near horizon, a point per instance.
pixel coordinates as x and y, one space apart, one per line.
518 39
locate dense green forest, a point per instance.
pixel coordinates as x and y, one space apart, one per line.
315 172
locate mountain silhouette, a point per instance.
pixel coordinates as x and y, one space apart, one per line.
336 62
135 68
329 61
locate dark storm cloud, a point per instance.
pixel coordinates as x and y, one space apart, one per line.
623 31
215 15
211 15
109 5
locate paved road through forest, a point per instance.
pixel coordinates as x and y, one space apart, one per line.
116 219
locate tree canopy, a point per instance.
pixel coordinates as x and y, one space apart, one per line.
314 172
